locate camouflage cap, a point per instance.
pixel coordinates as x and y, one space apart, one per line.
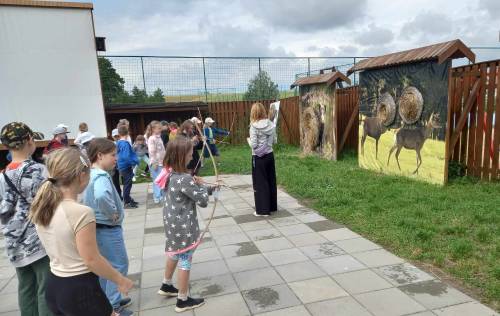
15 134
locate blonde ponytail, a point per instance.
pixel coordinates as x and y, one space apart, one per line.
65 167
45 203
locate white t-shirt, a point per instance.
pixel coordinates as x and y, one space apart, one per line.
59 238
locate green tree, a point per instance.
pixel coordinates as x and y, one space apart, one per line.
112 84
157 97
261 87
138 95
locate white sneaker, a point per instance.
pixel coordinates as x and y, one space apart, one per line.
259 215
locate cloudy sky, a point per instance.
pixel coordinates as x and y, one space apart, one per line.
291 27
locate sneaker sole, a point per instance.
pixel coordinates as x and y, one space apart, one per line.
180 310
169 294
126 305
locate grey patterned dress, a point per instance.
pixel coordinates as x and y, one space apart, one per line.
179 214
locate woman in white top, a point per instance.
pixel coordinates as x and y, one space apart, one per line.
68 232
262 138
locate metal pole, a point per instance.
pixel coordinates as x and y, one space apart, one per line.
308 66
205 80
143 79
259 64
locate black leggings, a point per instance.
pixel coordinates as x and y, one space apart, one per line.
264 184
76 296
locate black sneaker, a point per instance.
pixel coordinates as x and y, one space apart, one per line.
167 290
130 205
125 302
123 312
188 304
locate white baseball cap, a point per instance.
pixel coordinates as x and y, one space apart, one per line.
209 120
114 132
60 130
195 120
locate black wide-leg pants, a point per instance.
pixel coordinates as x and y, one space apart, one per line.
264 184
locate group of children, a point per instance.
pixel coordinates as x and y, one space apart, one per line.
69 252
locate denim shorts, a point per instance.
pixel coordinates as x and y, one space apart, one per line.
184 259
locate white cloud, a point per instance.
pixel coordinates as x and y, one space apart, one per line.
293 27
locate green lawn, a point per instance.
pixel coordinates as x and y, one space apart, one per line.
455 228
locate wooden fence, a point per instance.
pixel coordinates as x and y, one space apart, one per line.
473 109
235 116
347 108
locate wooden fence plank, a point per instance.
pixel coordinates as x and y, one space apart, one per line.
488 116
471 141
463 96
478 151
496 133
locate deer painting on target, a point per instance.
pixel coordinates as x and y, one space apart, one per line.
403 110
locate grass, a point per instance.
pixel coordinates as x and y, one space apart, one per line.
431 170
455 228
217 97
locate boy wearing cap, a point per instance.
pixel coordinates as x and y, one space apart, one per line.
18 186
60 139
210 132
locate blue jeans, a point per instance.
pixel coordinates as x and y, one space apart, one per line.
157 192
112 247
127 174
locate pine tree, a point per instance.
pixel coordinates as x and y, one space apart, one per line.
261 87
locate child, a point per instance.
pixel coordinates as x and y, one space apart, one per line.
183 192
127 159
141 150
262 138
115 174
18 185
101 196
210 132
156 155
67 229
188 130
165 132
59 140
83 141
82 129
127 124
173 130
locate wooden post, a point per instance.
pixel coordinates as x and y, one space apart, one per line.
447 147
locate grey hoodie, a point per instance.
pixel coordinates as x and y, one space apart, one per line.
262 137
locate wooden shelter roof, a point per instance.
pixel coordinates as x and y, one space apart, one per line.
48 4
155 107
440 52
328 78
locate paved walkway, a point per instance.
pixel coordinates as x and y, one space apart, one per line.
293 263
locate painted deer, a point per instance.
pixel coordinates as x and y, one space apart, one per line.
414 139
373 127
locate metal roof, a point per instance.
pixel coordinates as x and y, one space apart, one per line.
327 78
441 52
